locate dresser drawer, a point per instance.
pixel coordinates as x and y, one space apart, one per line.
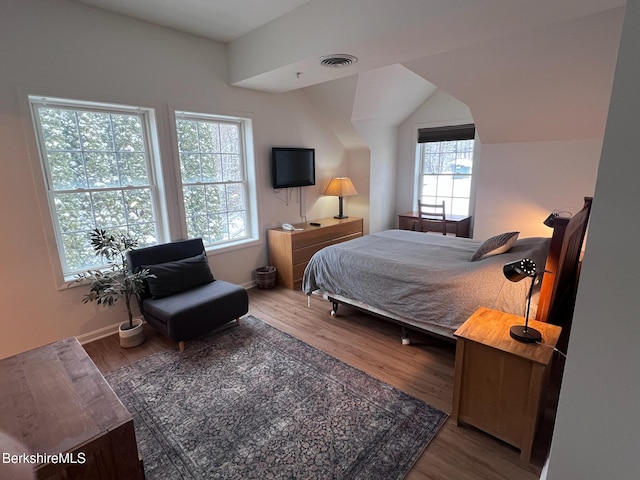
311 236
301 255
298 272
346 228
347 237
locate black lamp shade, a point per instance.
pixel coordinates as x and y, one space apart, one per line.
519 270
550 219
516 271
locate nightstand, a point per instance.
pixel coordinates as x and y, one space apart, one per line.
499 382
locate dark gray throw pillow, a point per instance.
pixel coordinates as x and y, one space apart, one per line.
495 245
178 276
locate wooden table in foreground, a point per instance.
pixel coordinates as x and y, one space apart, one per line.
500 382
56 402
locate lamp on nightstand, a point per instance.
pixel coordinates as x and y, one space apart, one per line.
340 187
548 222
516 271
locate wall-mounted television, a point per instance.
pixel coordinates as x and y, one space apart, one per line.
293 167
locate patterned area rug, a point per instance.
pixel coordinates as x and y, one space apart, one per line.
255 403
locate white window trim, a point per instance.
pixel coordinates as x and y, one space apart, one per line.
417 172
37 155
166 169
253 234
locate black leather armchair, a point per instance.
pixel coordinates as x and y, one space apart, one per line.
184 300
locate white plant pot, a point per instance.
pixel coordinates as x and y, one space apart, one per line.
131 337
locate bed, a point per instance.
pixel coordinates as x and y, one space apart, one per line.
427 282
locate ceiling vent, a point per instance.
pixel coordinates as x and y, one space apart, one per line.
338 60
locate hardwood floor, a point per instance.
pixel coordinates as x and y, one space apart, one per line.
423 369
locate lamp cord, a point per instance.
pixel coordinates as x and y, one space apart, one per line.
554 348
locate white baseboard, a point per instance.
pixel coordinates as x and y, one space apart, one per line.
98 334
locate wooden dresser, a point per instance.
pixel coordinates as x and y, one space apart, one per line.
290 251
57 403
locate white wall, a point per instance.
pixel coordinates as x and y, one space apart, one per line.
597 425
517 184
382 142
63 48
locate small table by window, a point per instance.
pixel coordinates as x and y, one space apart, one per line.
458 224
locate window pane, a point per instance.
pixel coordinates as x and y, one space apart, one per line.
67 170
195 202
213 173
209 137
197 227
216 198
128 134
101 150
190 167
133 169
187 136
95 131
237 221
218 229
445 186
235 197
429 185
446 174
232 168
102 169
78 252
461 186
211 168
460 206
74 211
145 233
229 138
108 209
139 206
59 129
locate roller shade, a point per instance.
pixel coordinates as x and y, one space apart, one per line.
443 134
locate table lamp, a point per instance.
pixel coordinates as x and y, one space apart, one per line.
340 187
516 271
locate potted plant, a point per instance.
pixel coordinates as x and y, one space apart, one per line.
107 286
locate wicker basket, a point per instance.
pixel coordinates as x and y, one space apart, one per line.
266 277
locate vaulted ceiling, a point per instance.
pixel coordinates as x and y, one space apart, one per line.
527 70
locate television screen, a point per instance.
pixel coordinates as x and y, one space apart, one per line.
293 167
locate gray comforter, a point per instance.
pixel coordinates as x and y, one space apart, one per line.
426 279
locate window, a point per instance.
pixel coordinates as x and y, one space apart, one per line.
215 180
97 163
446 165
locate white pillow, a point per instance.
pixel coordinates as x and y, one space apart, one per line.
495 245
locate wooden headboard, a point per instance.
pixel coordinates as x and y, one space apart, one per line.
560 280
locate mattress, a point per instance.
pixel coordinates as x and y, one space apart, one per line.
426 280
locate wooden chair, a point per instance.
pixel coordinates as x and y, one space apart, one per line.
432 215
